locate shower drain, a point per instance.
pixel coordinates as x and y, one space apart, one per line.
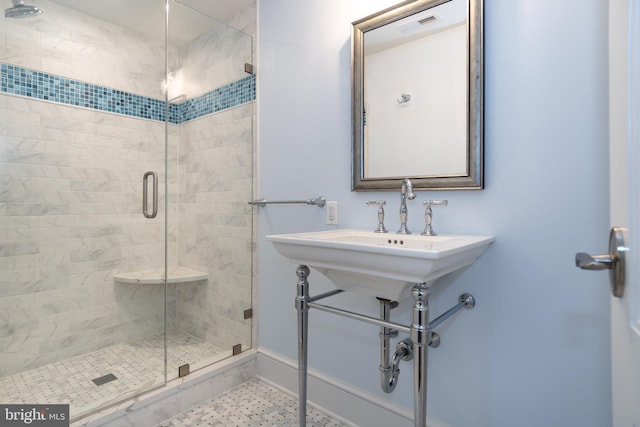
104 379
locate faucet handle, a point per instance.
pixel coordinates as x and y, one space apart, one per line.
380 204
429 203
428 215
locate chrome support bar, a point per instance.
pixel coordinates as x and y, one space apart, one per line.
318 201
421 337
361 317
325 295
464 301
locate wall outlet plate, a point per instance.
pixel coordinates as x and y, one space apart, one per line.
332 213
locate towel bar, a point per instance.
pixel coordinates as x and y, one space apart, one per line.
318 201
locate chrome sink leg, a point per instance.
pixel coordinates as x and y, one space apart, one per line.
421 336
302 299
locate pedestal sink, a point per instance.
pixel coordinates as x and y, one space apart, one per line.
383 265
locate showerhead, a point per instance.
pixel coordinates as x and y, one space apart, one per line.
20 10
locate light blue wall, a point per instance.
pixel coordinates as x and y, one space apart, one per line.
535 351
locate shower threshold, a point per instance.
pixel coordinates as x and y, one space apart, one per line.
137 366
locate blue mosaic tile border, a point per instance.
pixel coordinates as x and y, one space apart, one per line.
231 95
35 84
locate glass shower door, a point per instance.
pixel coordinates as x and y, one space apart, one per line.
82 288
211 94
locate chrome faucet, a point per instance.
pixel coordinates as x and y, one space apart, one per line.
406 192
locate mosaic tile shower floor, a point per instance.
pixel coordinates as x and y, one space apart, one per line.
138 366
251 404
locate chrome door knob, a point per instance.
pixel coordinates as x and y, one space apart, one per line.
614 261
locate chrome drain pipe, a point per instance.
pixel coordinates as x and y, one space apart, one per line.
404 351
390 365
388 377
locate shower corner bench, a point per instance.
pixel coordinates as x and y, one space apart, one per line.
175 274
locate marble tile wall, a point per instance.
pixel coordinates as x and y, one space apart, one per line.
71 181
212 60
215 227
245 19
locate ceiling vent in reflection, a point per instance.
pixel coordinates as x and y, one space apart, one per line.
415 25
427 20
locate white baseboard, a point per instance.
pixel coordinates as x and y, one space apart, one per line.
339 399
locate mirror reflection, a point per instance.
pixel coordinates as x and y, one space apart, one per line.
417 96
415 88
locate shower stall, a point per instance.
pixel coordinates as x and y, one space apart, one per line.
126 164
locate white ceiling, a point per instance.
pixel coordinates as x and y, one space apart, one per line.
221 10
446 16
147 16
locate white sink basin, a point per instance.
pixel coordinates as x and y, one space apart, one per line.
381 265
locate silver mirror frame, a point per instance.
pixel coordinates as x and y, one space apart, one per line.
474 179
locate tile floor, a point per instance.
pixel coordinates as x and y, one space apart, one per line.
138 366
251 404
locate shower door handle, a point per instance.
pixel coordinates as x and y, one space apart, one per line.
145 191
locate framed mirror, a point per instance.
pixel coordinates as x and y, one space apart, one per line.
417 87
